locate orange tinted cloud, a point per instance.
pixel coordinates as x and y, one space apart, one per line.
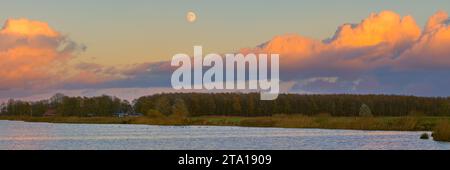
432 50
32 54
383 39
385 53
292 44
385 27
28 28
36 58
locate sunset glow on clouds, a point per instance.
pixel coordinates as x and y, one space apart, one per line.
35 57
31 54
378 40
384 53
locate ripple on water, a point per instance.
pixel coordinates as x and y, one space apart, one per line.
23 135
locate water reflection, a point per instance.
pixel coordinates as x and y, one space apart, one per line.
22 135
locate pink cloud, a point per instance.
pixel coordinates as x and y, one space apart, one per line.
383 53
34 56
29 54
385 27
432 49
385 39
28 28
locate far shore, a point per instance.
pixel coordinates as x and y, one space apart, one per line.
406 123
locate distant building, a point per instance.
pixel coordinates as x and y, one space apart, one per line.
50 113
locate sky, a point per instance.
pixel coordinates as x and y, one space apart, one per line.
109 46
118 31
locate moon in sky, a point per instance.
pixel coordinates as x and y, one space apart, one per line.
191 17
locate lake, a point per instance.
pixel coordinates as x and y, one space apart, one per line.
18 135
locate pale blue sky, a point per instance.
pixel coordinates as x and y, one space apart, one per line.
121 31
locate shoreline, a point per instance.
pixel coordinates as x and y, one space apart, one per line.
211 125
439 126
407 123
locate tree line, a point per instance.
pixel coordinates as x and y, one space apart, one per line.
249 104
233 104
67 106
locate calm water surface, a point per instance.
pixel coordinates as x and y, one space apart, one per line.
48 136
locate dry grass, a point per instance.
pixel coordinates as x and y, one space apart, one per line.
442 131
361 123
408 123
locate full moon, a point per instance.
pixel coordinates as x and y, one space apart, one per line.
191 17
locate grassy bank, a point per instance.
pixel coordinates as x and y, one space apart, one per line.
294 121
327 122
441 131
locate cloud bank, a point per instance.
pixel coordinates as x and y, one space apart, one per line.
385 53
35 58
33 55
